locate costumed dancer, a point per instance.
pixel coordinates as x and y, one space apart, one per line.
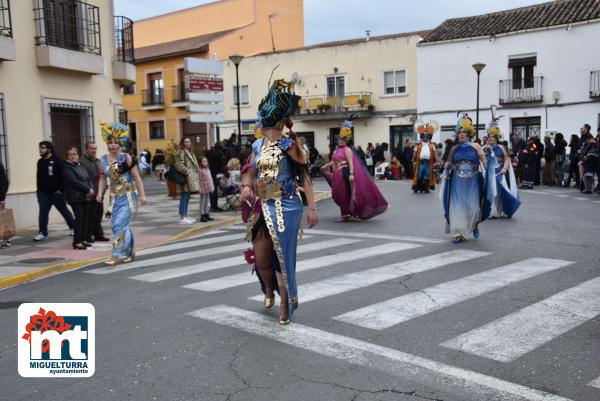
121 170
466 194
352 186
424 158
271 185
507 200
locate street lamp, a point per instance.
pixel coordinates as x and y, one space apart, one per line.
236 59
478 68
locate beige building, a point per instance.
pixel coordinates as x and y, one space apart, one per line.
62 64
372 77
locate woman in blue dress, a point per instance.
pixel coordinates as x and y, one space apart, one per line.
506 202
121 171
271 186
464 190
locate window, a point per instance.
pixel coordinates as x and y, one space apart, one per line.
129 89
394 82
70 125
3 136
522 71
244 95
336 86
157 129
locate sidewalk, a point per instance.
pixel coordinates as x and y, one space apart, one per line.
156 223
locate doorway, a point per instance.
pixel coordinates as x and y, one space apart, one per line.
527 127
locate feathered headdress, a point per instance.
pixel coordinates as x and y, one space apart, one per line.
493 129
278 104
117 133
426 127
346 129
465 122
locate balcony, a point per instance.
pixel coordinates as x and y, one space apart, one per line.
153 99
595 85
178 94
333 107
68 36
521 91
8 50
124 70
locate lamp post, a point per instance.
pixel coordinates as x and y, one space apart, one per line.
236 59
478 68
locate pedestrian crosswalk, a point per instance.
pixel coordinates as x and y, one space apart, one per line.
385 259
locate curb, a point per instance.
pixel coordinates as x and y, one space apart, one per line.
47 271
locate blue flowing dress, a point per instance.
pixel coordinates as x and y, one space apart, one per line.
123 205
465 192
506 202
281 208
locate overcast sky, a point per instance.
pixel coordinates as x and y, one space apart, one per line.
329 20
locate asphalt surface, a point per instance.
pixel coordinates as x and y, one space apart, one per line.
513 332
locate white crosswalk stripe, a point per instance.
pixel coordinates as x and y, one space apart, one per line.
595 383
229 262
353 281
390 361
401 309
235 280
191 244
521 332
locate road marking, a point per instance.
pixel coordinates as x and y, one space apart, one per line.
353 281
596 201
582 199
418 303
169 259
190 244
425 372
531 191
595 383
229 262
562 196
520 332
235 280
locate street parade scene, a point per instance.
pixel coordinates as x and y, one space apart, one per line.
251 200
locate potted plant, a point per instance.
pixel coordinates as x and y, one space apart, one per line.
170 156
371 107
321 107
326 108
361 103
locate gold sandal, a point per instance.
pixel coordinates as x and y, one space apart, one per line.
112 262
283 322
129 259
269 302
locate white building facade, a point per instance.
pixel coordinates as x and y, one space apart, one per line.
542 79
374 78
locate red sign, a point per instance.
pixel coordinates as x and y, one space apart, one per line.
203 83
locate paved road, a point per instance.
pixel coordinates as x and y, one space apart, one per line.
389 310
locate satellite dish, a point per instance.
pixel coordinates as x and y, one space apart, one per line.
295 78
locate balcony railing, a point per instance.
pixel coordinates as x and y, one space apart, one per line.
124 39
354 101
69 24
178 93
521 90
5 19
155 97
595 84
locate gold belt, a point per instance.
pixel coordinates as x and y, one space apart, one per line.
121 190
268 191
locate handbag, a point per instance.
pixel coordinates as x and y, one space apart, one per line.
369 161
8 228
175 176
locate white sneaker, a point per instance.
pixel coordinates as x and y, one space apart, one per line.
192 221
185 222
40 237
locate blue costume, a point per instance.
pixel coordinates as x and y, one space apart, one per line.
123 204
506 202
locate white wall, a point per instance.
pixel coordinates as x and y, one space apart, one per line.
447 82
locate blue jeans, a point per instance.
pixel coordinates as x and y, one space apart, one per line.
184 200
46 201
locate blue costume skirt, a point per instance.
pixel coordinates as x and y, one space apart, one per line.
283 230
507 200
122 215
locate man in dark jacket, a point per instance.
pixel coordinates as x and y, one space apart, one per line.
50 189
94 210
216 162
3 191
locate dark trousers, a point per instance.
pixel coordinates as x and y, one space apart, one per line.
80 228
214 196
46 201
94 211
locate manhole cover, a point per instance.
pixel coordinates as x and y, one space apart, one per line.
40 260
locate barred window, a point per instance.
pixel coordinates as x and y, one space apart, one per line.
71 125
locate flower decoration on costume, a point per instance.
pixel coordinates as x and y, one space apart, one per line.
286 143
493 129
346 131
289 188
115 133
465 122
249 256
